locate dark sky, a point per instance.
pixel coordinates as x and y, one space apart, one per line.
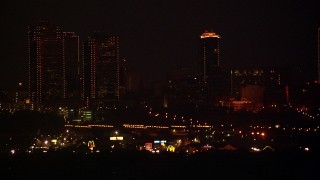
160 35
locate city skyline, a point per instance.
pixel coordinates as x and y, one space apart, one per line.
159 36
174 89
58 74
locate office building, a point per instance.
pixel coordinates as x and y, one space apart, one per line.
318 55
210 73
46 72
101 69
272 80
72 65
210 55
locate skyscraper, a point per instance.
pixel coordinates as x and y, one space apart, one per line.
210 55
46 74
101 66
210 73
72 68
319 55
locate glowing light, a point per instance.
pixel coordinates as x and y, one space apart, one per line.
117 138
209 35
255 149
91 145
148 146
268 147
178 126
170 148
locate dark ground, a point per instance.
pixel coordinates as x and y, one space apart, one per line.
142 165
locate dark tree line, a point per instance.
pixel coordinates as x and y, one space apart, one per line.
27 122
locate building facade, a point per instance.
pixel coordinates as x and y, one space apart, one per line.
210 55
211 75
101 69
272 80
46 63
72 65
318 55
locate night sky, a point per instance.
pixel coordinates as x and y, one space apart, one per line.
158 36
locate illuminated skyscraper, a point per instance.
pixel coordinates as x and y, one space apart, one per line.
46 74
210 55
101 68
72 68
211 76
319 55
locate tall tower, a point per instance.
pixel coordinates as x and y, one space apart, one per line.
101 68
318 55
72 68
210 55
46 75
211 76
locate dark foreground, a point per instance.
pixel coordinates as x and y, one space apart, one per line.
142 165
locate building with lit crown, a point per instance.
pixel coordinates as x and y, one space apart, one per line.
210 54
210 73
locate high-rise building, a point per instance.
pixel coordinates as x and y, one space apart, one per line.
46 73
210 73
72 68
319 55
101 68
210 55
122 77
